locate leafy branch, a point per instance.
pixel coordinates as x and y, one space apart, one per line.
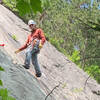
4 92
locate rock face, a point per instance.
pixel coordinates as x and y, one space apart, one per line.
22 85
56 68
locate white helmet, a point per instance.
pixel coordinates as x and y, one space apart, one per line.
30 22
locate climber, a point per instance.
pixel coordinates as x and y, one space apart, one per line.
33 44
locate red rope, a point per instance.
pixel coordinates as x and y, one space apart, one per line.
2 44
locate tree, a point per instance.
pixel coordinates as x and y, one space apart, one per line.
69 27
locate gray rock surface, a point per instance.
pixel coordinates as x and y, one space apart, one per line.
21 84
56 68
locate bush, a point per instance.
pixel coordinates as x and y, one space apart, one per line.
75 57
4 92
94 71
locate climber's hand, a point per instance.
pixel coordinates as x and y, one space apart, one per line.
17 51
40 45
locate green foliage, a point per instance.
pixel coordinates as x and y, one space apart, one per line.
14 37
94 71
55 42
72 24
11 4
36 5
77 90
1 83
4 92
45 4
75 26
1 69
4 95
23 6
75 57
64 85
28 6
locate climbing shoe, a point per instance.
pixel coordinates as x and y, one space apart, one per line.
26 67
38 74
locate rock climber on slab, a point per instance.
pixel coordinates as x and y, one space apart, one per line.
33 44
